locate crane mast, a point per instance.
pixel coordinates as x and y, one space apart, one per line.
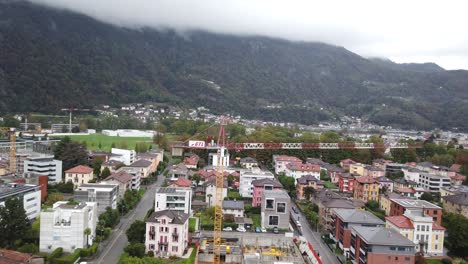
218 211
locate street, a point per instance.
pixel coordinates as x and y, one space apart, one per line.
315 240
118 238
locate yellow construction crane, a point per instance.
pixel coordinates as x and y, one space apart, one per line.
10 132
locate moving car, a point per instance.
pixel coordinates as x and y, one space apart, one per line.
241 229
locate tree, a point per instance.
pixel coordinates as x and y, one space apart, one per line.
13 222
54 197
136 232
309 192
288 184
457 229
135 249
230 179
209 199
10 121
70 153
97 168
87 232
427 197
324 175
105 173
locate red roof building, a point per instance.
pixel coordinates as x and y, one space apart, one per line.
81 169
182 182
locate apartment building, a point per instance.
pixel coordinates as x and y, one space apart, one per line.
143 166
433 182
178 199
377 245
47 166
259 186
122 179
307 181
385 201
416 226
275 209
343 220
210 190
126 156
248 163
246 188
136 176
357 168
29 194
64 226
280 162
373 171
366 189
299 169
385 183
105 195
79 175
167 233
346 182
346 164
399 206
457 203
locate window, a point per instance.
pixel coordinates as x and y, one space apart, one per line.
270 203
419 227
151 246
268 187
407 259
427 237
281 207
396 258
437 237
436 246
273 220
417 237
423 228
163 221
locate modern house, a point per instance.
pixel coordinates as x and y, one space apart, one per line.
64 226
210 190
433 182
126 156
248 176
103 194
29 194
167 233
78 175
177 199
261 185
276 209
47 166
399 206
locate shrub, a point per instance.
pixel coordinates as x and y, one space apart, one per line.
56 253
446 261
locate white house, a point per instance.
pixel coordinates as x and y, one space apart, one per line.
246 178
126 156
213 159
280 162
177 199
210 191
47 166
235 208
64 226
299 169
167 233
412 174
433 182
29 194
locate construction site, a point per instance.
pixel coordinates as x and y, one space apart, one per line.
253 248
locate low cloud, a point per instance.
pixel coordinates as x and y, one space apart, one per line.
404 31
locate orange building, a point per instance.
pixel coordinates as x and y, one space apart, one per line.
366 189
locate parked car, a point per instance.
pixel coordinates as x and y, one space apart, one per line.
264 230
227 228
258 229
298 224
275 230
241 229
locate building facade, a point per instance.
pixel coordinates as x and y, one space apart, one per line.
79 175
126 156
280 162
305 182
45 166
178 199
29 194
104 195
276 209
261 185
247 177
366 189
457 203
399 206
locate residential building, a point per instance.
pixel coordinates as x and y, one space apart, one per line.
143 166
235 208
3 169
64 226
333 172
433 182
29 194
357 168
403 183
346 163
346 182
343 220
122 179
261 185
419 228
213 159
167 233
380 163
248 163
178 199
385 201
191 161
276 209
399 206
79 175
457 179
457 204
280 162
307 181
299 169
248 176
181 182
412 174
377 245
394 167
180 171
452 190
154 158
105 195
366 189
126 156
47 166
136 176
112 165
455 168
373 171
326 207
386 183
210 190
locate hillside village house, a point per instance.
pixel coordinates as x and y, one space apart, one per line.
457 203
79 175
307 181
366 189
235 208
191 161
280 162
346 163
299 169
248 163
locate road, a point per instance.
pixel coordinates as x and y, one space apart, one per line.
118 239
315 240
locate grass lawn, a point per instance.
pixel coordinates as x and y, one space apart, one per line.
233 195
192 223
93 141
433 261
256 219
329 185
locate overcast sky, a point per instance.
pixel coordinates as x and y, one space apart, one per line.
403 31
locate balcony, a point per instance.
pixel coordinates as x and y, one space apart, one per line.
163 242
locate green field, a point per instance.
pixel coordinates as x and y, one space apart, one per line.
329 185
93 141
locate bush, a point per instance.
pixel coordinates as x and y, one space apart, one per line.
56 253
68 259
29 248
446 261
88 252
135 250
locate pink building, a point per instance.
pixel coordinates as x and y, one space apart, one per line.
373 171
167 233
259 186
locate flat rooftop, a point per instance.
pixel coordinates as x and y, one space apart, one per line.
11 189
409 203
276 194
170 190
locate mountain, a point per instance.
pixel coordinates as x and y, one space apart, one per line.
52 59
